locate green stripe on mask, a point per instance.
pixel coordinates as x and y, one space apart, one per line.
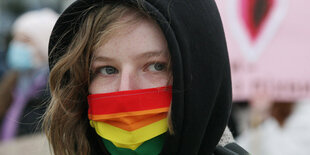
150 147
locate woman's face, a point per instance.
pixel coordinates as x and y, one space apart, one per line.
136 57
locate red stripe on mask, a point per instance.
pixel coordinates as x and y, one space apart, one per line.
129 101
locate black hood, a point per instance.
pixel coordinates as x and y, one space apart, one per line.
201 73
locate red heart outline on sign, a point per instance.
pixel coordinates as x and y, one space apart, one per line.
253 44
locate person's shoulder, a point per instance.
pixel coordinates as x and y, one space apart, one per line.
228 146
230 149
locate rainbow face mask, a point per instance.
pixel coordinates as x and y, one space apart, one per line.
130 118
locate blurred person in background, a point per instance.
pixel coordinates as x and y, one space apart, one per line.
23 87
286 125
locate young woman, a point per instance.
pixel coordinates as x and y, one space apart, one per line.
139 77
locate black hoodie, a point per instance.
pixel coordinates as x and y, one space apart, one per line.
201 74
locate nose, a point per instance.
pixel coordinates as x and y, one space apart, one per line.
128 81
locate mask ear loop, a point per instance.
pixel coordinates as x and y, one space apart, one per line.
170 126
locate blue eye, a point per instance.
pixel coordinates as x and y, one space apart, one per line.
157 67
107 70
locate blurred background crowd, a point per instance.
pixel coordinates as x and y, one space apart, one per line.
269 53
25 27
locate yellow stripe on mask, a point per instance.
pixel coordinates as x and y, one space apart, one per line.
130 139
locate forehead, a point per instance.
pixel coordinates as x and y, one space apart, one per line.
141 36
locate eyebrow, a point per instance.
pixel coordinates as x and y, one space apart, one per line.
146 55
151 54
102 58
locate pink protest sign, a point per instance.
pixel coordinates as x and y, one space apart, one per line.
269 47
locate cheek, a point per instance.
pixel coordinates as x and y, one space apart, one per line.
155 80
142 80
98 86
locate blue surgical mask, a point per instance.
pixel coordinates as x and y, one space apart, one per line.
19 56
